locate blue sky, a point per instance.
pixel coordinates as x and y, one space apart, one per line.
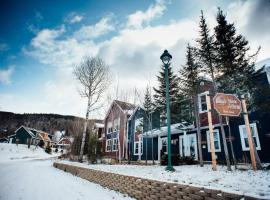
41 42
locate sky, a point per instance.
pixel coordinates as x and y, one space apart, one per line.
42 41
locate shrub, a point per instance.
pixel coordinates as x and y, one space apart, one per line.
187 160
175 159
48 149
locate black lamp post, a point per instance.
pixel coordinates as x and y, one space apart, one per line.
166 58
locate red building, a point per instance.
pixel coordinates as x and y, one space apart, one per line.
115 130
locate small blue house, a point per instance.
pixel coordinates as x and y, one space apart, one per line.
140 144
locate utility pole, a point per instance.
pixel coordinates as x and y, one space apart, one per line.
211 133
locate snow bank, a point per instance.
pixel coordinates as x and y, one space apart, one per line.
250 183
12 152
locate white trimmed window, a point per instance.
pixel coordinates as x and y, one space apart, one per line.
202 102
244 137
115 144
109 128
108 145
116 124
139 126
216 140
138 147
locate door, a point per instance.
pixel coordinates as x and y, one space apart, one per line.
162 146
188 145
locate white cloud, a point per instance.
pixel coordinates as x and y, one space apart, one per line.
5 75
76 18
102 27
139 18
133 52
73 18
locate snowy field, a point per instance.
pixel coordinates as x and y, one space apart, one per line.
256 184
12 152
25 177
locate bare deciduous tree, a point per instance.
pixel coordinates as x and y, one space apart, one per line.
94 77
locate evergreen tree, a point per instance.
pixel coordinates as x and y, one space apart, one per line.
206 50
160 95
189 82
236 67
207 54
148 104
189 74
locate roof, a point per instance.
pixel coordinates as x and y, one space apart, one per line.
124 105
36 133
99 125
134 111
65 139
175 128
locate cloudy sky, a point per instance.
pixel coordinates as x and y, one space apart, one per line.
41 42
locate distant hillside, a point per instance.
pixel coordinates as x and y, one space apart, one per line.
50 123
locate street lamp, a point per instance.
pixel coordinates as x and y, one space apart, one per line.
166 58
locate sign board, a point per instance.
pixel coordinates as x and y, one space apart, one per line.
227 104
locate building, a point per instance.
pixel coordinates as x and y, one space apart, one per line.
115 130
140 145
26 135
184 138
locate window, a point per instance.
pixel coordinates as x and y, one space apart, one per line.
244 137
116 124
202 102
108 145
109 128
138 147
139 126
216 141
115 144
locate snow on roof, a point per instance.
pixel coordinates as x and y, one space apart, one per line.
175 128
99 125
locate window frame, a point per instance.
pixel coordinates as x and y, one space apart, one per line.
135 124
137 143
243 144
200 102
107 145
113 144
208 140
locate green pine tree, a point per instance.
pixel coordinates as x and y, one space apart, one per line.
236 67
189 83
206 49
148 104
160 95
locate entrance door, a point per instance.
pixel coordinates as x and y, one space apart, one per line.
162 146
188 145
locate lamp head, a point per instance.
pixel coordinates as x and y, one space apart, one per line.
166 57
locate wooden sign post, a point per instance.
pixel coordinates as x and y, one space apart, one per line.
250 140
211 133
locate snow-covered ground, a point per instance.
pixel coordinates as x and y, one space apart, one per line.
256 184
26 175
12 152
39 180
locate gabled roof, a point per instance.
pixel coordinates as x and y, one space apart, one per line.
36 133
134 111
123 106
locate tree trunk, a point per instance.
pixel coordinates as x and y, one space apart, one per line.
84 131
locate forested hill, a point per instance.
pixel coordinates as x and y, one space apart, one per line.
50 123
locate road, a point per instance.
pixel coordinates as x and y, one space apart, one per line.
39 180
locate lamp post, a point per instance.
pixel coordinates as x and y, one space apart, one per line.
166 58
